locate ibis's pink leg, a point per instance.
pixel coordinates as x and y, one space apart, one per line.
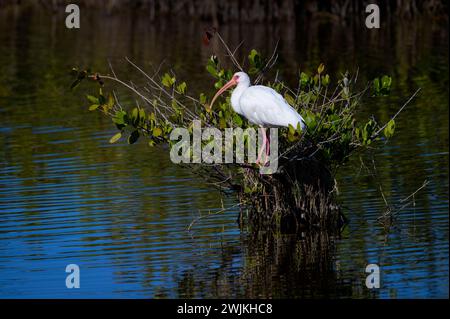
263 130
267 148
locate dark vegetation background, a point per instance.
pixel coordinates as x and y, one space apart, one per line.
252 10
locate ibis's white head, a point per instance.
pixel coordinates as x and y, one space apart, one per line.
240 79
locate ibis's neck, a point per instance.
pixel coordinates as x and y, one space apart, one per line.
236 96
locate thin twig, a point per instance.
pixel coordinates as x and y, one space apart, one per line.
425 183
210 214
398 112
230 54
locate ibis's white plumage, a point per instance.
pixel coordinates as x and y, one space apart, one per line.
262 105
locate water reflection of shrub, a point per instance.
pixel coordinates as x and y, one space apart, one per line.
300 265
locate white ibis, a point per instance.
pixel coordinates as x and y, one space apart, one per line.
261 105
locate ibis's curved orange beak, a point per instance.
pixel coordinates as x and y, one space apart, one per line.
223 89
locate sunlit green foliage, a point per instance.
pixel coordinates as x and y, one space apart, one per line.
332 127
382 86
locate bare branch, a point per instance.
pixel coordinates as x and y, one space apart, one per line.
398 112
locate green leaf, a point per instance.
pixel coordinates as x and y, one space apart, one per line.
133 137
168 129
202 99
211 70
289 99
291 129
321 68
152 119
386 81
157 132
120 119
389 129
316 79
167 80
174 104
310 120
218 84
326 79
256 62
252 55
222 123
228 74
382 87
376 84
93 99
135 116
367 132
212 66
111 101
141 114
304 79
182 88
93 107
237 120
358 133
115 138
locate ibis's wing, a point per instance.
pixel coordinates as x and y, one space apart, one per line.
264 106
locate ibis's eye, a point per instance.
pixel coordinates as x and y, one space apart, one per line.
236 77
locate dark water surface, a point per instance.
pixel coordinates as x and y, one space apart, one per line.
121 212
